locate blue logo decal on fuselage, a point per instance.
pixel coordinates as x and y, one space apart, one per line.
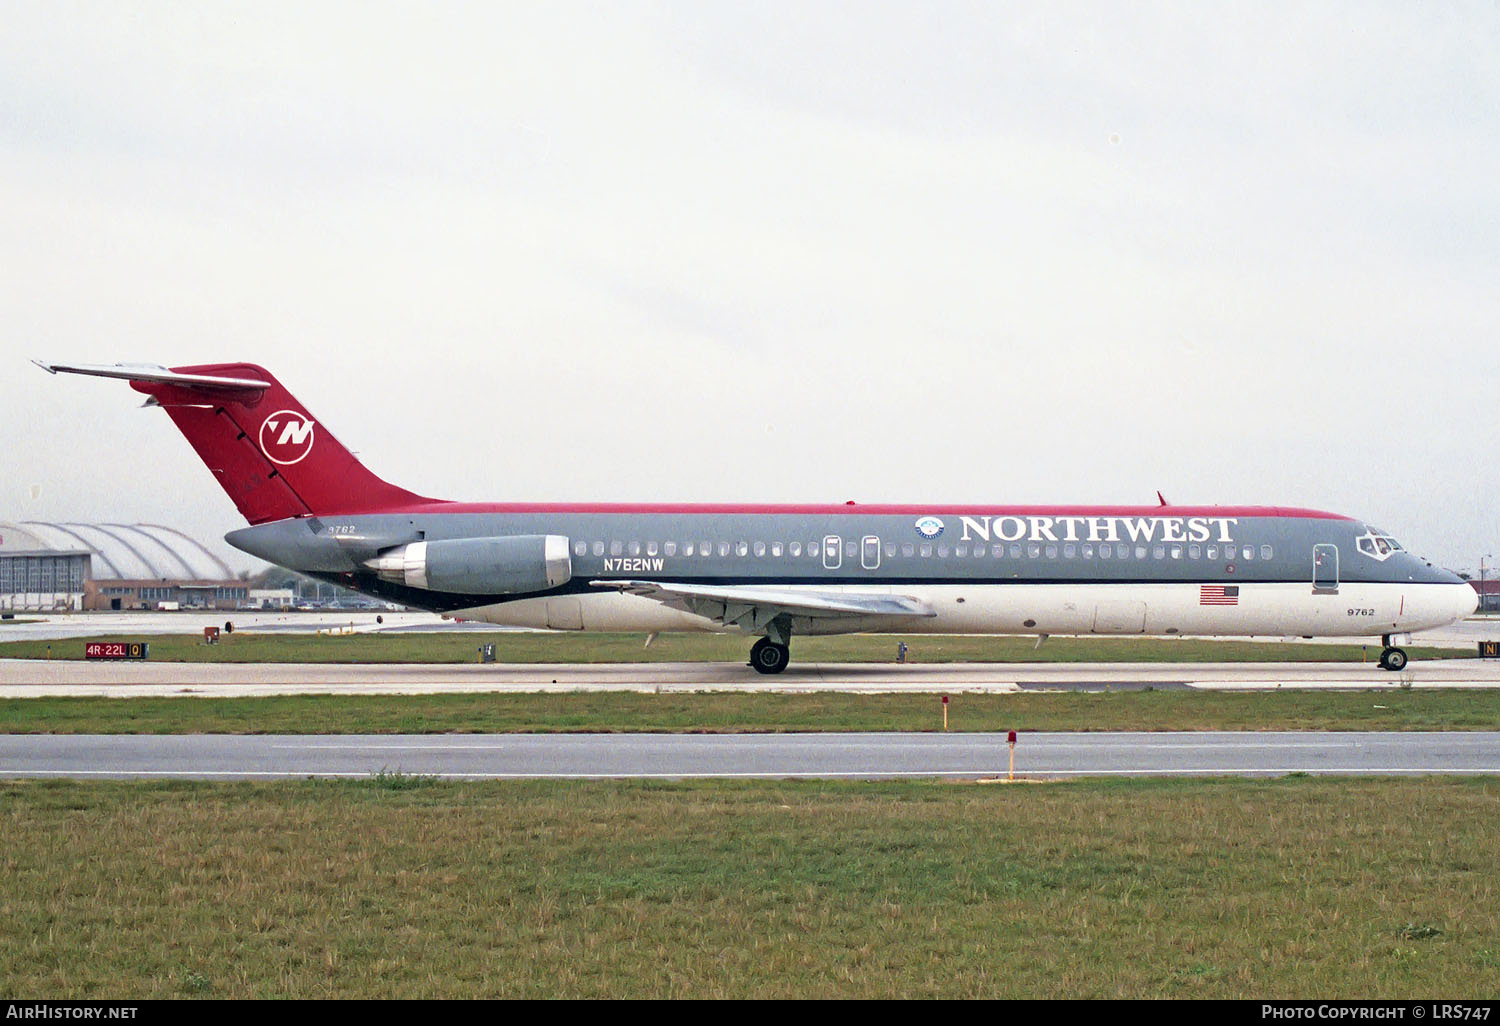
929 527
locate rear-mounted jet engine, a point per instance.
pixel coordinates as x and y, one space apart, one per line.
479 566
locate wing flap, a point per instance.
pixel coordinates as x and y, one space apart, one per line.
733 603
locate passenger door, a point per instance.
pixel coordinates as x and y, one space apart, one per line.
1325 569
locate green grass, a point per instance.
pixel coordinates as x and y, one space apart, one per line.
561 647
1456 709
1124 889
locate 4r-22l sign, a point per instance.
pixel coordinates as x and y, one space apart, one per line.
117 650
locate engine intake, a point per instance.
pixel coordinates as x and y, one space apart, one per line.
479 566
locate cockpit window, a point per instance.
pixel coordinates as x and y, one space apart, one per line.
1377 544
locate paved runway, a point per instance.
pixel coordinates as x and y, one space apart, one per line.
32 678
862 756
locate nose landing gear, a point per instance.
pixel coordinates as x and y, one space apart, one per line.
1394 657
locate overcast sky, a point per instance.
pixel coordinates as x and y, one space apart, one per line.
917 252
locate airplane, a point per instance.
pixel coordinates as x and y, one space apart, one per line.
775 571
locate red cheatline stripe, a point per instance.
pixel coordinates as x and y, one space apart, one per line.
872 509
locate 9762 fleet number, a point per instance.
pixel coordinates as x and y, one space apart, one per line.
1361 612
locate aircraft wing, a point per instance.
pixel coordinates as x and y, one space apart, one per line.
752 606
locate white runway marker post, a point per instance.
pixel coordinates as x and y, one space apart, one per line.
1012 742
945 712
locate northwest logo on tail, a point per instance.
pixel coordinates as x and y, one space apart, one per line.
286 437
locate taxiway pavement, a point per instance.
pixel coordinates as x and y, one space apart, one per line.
39 678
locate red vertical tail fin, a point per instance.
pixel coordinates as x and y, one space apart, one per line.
268 453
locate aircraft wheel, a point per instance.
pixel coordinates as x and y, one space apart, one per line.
768 657
1393 659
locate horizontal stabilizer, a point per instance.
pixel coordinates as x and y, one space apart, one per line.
156 373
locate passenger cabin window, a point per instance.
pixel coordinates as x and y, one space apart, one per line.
635 548
598 548
651 549
669 548
687 548
617 548
795 549
580 548
760 549
1265 552
776 549
908 549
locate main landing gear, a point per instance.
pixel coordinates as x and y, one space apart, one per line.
769 657
1393 658
771 653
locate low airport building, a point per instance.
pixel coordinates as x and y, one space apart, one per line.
120 595
273 598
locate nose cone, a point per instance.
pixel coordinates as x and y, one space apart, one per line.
1468 601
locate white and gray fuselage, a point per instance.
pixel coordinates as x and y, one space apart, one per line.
1165 570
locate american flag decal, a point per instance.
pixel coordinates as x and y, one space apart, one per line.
1219 595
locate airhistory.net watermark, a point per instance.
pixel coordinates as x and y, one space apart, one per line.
45 1011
